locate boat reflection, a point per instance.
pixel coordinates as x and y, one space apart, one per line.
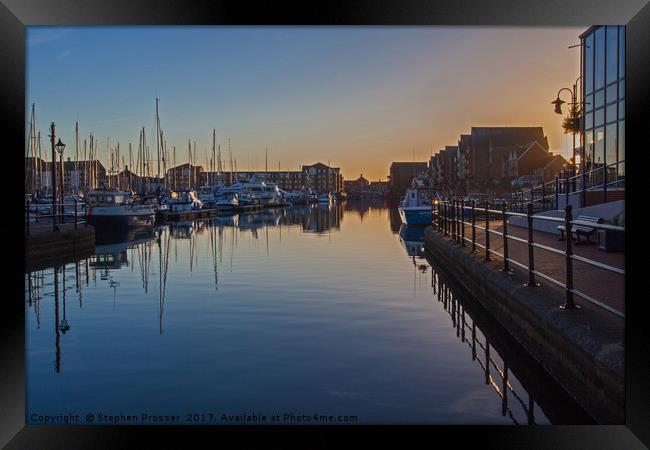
412 237
316 218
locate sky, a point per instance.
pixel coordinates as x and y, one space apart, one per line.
357 97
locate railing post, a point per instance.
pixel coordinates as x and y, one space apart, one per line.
444 216
453 220
462 221
583 196
506 263
557 192
566 188
543 197
568 218
27 227
456 229
605 183
75 213
531 260
473 226
487 232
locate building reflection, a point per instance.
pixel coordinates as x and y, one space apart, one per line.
363 205
527 394
395 220
310 218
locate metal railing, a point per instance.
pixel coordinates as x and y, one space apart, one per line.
40 212
547 195
449 217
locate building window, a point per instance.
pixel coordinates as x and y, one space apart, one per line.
612 54
611 115
599 99
589 63
599 58
610 144
612 93
621 52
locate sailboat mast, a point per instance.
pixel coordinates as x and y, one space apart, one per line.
212 161
76 158
230 157
157 141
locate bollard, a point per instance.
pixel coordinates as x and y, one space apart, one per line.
462 221
568 218
487 232
506 263
531 260
474 226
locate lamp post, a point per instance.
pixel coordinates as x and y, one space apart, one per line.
60 146
52 137
558 109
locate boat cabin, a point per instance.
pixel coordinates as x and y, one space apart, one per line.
109 198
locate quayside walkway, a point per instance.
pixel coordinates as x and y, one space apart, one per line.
590 276
606 286
563 302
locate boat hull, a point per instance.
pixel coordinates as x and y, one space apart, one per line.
416 216
119 220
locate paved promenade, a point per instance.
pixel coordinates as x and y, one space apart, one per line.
608 287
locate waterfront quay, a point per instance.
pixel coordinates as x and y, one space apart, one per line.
46 245
566 311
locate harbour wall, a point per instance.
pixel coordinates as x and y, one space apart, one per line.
583 350
46 248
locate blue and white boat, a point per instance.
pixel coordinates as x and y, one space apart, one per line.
415 207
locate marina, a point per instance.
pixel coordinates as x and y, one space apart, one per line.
202 254
177 303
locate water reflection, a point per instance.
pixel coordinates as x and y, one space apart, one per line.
247 282
526 392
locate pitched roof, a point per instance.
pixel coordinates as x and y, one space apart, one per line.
554 158
507 136
531 145
398 165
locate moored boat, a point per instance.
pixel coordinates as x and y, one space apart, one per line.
415 208
114 209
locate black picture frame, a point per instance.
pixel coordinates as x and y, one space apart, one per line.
15 15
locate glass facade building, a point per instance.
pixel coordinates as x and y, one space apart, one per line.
603 96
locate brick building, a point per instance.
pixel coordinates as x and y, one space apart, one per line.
402 174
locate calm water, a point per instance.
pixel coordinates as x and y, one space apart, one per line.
304 311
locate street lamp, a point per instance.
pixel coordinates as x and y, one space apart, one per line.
558 102
60 146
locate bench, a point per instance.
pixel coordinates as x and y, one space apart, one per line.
581 229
